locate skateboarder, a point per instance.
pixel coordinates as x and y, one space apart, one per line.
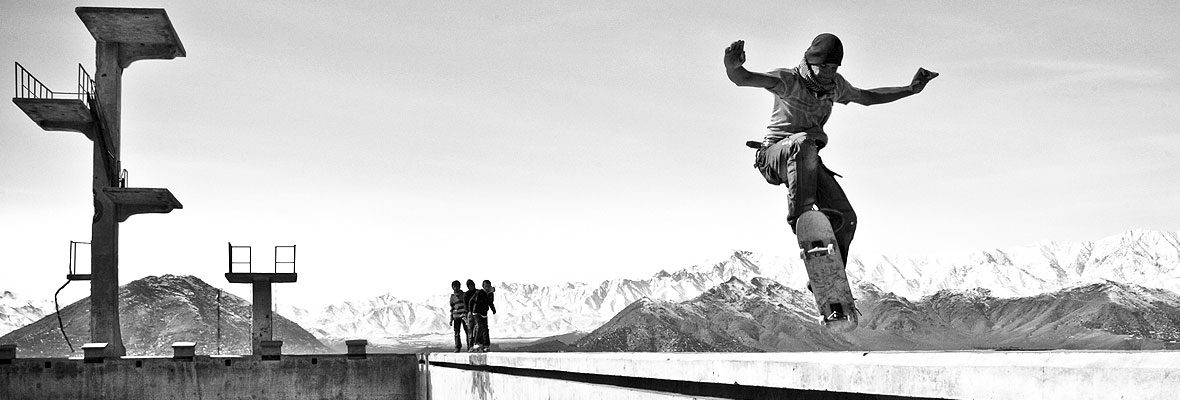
803 98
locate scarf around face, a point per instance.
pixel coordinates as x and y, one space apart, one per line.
809 80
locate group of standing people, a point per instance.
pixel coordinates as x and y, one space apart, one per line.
469 312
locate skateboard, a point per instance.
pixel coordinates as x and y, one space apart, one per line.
825 271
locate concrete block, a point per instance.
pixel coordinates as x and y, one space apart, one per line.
356 348
1171 345
271 349
186 351
7 353
93 352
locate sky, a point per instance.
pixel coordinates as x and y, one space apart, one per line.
404 144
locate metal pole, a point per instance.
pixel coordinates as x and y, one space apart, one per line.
218 321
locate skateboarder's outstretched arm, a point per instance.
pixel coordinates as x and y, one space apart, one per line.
883 95
735 56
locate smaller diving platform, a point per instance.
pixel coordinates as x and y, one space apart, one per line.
131 201
262 320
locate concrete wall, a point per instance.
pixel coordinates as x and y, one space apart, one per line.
845 375
379 376
838 375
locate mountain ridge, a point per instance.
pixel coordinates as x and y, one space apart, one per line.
763 315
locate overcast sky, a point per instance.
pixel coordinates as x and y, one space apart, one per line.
403 144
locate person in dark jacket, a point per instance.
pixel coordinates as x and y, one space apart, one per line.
471 290
480 303
459 315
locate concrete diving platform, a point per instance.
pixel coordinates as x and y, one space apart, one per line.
131 201
147 33
70 115
251 277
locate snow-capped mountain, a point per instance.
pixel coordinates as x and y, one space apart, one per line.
16 311
1146 258
764 316
1141 257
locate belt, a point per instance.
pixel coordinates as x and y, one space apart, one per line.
758 145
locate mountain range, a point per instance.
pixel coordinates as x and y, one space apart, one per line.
1150 259
763 315
1146 258
158 311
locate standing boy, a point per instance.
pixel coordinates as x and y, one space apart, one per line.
459 316
803 98
483 301
467 296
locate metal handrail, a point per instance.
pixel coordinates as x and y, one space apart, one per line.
292 262
249 254
29 87
74 256
85 85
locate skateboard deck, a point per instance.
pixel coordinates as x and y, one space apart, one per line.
825 271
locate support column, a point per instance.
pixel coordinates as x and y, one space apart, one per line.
104 256
263 326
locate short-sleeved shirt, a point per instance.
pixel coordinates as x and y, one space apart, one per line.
798 109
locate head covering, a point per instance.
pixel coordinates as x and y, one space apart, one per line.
825 49
804 71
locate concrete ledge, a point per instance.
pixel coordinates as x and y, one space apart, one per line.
949 375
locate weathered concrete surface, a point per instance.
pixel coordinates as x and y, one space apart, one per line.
950 375
450 383
379 376
145 33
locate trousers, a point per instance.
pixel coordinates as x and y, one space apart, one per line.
795 161
461 323
480 333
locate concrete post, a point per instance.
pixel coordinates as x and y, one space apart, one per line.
272 350
263 321
104 256
95 352
356 348
7 353
184 351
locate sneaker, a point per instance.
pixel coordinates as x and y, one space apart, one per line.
836 316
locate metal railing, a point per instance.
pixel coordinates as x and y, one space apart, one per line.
74 256
292 262
29 87
249 259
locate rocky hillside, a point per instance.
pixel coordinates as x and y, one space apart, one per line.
765 316
158 311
